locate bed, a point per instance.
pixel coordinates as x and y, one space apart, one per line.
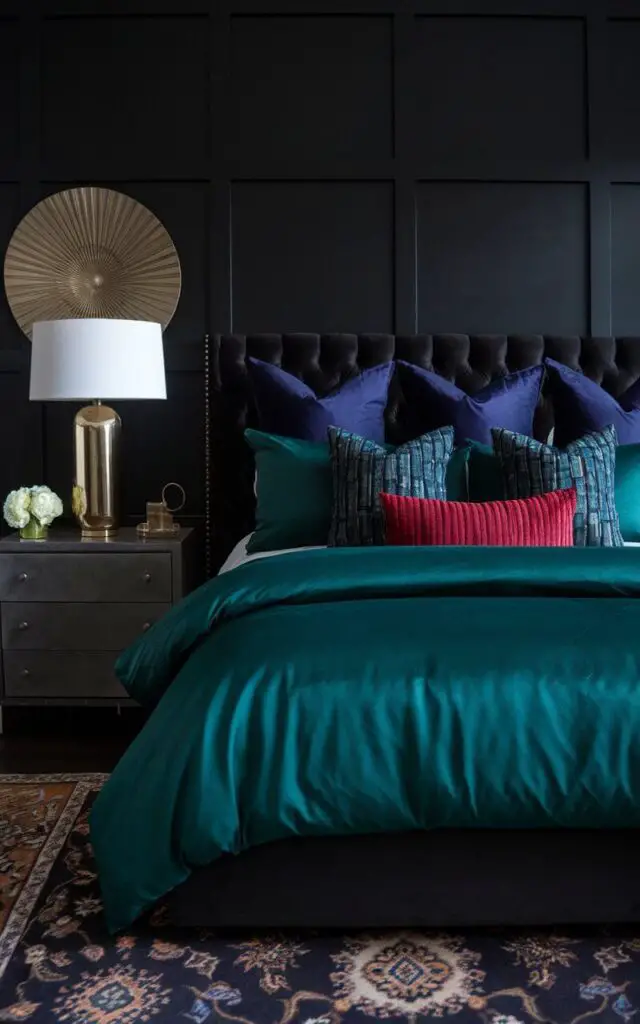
296 771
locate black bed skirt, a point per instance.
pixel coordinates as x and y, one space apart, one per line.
448 878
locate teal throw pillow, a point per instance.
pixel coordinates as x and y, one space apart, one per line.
486 481
457 475
531 468
363 469
294 490
628 490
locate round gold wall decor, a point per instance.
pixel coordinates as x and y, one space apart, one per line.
91 252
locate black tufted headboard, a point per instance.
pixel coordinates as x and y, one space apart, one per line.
325 361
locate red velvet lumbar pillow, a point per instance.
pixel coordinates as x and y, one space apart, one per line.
544 521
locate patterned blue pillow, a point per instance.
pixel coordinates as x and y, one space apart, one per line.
362 469
588 464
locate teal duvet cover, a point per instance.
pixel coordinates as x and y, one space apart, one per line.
347 691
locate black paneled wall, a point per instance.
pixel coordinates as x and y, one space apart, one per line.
373 165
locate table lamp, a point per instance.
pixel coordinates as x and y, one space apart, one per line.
91 360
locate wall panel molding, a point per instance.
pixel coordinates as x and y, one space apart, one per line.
467 165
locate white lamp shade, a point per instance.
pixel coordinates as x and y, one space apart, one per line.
81 360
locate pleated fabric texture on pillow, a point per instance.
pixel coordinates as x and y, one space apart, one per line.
362 469
544 521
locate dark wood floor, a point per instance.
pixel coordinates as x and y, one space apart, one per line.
66 739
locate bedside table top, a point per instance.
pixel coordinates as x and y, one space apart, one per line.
67 538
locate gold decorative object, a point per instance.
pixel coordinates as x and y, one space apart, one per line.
160 521
94 358
91 252
96 446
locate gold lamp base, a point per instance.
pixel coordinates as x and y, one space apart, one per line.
96 442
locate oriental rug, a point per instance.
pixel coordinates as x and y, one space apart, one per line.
58 964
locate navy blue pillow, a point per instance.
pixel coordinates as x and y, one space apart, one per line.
286 406
362 469
506 402
581 405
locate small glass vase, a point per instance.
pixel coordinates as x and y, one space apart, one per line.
34 531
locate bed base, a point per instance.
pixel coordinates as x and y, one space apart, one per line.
436 879
448 878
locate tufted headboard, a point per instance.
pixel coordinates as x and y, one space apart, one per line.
325 361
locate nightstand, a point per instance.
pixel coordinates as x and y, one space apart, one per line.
69 606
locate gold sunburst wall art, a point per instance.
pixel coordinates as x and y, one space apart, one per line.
91 252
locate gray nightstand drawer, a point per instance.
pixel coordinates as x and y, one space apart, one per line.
80 577
69 606
60 674
75 627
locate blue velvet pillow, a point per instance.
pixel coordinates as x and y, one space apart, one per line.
287 407
362 469
581 405
531 468
506 402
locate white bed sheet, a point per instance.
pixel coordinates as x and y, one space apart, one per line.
239 554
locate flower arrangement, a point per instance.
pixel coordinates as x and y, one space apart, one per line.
32 510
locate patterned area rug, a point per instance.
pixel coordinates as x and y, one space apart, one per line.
57 964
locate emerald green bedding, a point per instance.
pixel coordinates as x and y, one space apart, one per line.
381 689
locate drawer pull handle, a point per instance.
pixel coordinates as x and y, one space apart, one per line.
146 626
24 672
23 625
23 577
147 577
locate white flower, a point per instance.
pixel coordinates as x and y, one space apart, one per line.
45 505
16 508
